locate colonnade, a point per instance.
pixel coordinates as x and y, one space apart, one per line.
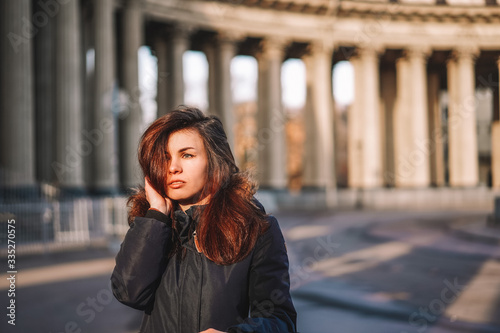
54 106
417 157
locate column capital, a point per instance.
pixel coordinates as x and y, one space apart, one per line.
133 3
226 36
228 41
321 46
104 2
181 31
417 51
162 33
370 51
208 44
273 47
466 51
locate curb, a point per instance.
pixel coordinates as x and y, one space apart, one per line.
342 295
399 312
478 232
361 307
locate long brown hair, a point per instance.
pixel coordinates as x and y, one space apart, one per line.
231 222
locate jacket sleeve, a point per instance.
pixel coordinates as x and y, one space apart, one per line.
142 259
271 307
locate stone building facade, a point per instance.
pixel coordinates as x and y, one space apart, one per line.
412 59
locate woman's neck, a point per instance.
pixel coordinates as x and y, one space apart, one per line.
186 206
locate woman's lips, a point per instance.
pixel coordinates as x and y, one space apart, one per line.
176 184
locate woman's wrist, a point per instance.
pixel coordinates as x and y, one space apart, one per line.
158 215
160 209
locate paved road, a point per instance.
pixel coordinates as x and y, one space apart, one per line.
392 272
351 272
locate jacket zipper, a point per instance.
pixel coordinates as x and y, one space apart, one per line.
201 278
196 242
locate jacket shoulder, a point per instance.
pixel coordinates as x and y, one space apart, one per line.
258 205
272 237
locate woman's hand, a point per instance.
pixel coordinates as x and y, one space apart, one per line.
211 330
156 201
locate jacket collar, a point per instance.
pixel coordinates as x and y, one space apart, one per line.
186 221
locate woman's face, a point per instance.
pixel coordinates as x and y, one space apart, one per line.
187 168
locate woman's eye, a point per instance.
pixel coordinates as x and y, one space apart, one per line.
187 156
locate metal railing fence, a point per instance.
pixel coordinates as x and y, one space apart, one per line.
46 226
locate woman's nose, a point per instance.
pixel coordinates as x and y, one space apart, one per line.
174 166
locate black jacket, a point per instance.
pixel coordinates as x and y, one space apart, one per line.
191 294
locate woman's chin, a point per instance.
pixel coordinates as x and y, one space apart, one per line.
183 201
178 197
190 201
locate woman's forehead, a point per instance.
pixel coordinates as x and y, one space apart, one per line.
187 138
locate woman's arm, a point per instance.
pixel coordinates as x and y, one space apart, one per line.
271 307
143 254
141 260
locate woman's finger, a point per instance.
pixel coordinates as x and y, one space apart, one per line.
155 200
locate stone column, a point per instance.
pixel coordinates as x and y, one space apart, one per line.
412 140
179 44
161 51
309 175
102 134
452 77
71 148
402 118
495 144
17 153
388 97
272 172
209 50
45 115
435 131
131 119
462 136
373 153
319 166
355 129
420 129
226 51
364 142
262 131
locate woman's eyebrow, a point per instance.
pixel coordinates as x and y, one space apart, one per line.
186 148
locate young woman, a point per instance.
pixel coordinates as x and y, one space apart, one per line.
201 255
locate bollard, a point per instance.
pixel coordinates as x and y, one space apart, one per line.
494 219
497 208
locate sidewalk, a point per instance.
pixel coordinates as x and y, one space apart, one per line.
475 309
